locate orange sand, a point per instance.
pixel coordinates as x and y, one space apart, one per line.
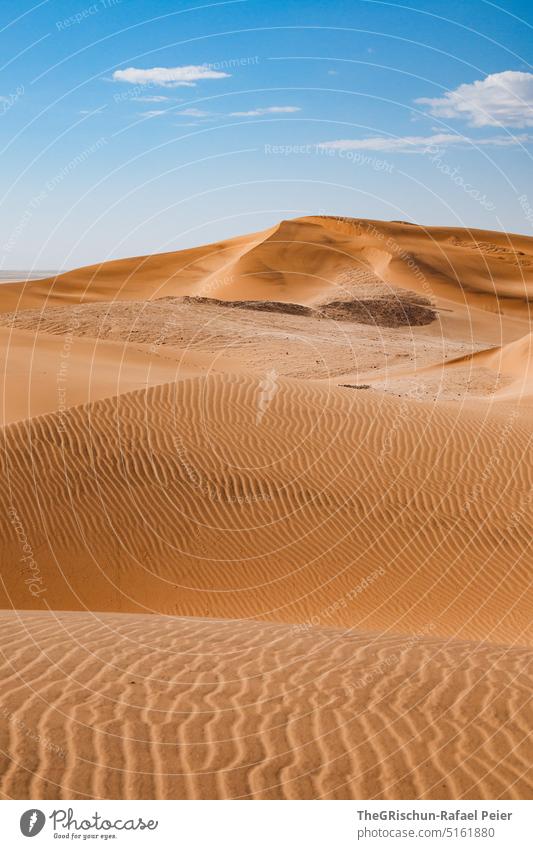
312 522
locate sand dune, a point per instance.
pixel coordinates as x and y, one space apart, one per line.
191 499
515 361
144 706
500 374
42 373
302 259
281 482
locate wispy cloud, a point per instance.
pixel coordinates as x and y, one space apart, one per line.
187 75
156 98
267 110
504 99
153 113
419 144
95 111
194 113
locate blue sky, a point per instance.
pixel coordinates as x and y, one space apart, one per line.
131 127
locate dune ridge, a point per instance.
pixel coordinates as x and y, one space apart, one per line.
514 359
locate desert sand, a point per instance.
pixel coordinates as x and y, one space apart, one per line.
265 519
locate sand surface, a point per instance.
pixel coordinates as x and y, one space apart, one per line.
265 522
110 705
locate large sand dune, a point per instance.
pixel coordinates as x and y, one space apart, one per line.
178 500
313 443
301 259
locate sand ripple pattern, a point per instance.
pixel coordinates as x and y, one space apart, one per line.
133 706
336 508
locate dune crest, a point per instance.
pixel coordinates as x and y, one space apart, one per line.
515 360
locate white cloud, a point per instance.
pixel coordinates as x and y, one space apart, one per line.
504 99
157 98
194 113
501 141
419 144
187 75
268 110
153 113
391 144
